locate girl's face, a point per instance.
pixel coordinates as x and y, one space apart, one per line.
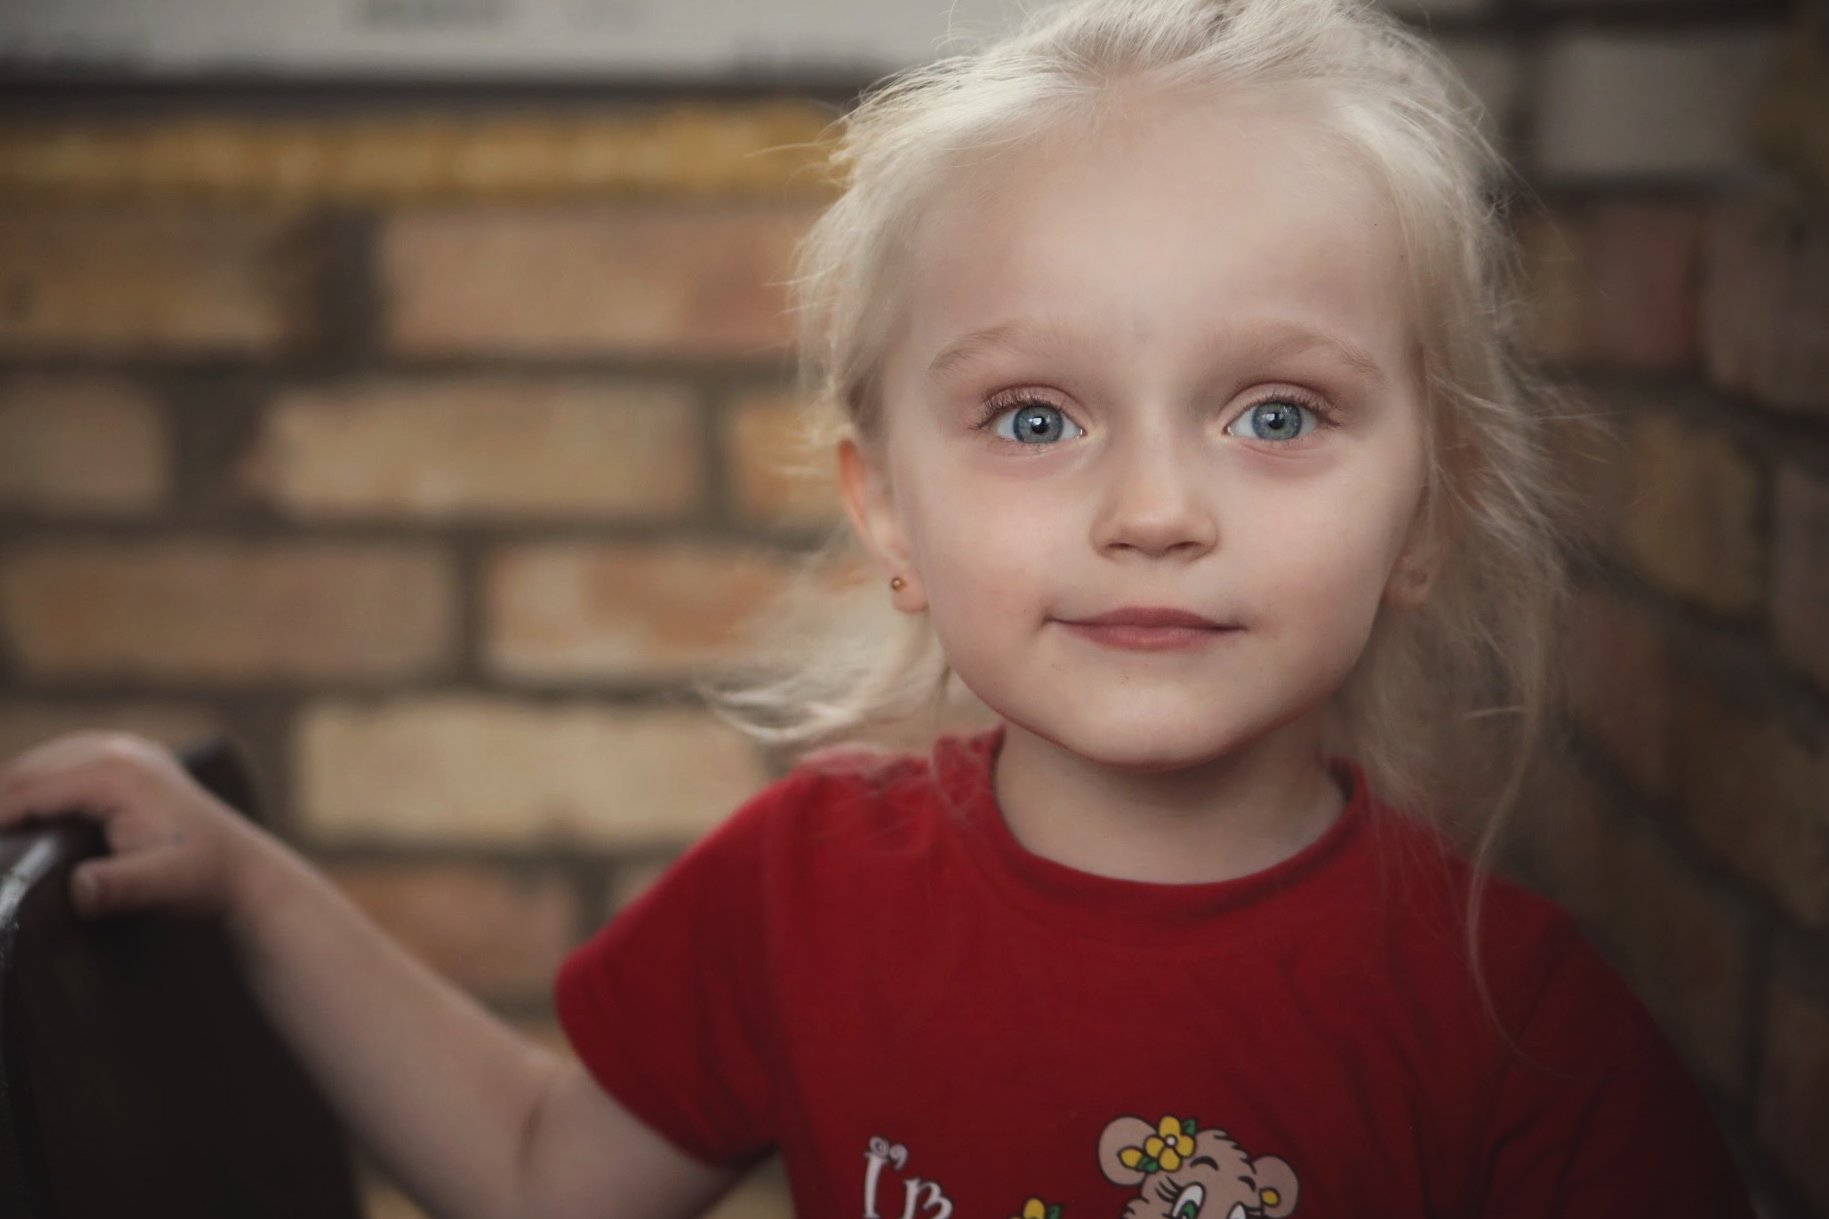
1161 371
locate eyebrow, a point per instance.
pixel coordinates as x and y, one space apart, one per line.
1269 339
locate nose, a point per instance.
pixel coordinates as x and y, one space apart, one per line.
1155 500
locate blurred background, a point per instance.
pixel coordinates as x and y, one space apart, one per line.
401 388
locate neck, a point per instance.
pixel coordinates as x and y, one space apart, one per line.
1224 818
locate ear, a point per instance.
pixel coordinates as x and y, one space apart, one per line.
1417 562
1277 1186
1121 1133
870 505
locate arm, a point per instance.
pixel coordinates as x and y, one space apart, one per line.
566 1172
433 1086
471 1119
1602 1119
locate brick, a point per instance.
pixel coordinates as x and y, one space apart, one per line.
637 278
1552 248
24 724
548 1036
1683 947
494 446
1627 104
224 612
1694 521
383 1200
1754 791
1800 571
1794 1087
163 280
1417 10
630 881
1576 842
81 445
1615 284
778 474
1591 450
1765 302
1491 66
489 932
691 149
570 610
763 1194
488 772
1620 686
1791 126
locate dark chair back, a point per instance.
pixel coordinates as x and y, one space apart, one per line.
138 1077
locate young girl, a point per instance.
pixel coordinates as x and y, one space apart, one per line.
1168 346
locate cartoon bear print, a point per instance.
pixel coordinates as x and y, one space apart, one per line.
1183 1172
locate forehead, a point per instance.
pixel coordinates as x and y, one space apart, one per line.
1163 223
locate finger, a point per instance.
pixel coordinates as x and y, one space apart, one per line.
129 824
59 751
94 765
118 883
54 795
62 756
82 750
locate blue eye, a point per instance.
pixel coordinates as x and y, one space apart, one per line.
1034 423
1276 419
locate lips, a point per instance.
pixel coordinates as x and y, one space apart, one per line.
1147 616
1150 629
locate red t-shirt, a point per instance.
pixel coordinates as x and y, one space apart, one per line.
867 971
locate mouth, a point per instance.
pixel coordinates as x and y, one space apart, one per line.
1150 629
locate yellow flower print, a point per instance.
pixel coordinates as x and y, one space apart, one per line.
1164 1150
1035 1208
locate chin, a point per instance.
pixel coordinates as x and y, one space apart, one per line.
1155 736
1141 746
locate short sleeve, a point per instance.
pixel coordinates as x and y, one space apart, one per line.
1598 1116
669 1004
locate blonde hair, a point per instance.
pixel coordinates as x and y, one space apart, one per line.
1464 676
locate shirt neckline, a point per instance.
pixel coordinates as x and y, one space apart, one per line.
1135 913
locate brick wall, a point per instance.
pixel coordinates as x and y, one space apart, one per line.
427 456
428 450
1685 290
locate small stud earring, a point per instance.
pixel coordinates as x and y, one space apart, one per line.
897 584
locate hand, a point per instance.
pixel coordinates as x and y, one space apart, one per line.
174 845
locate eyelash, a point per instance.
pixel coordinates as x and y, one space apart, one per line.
1001 403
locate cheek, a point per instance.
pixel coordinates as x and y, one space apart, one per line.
973 554
1370 515
983 535
1332 604
1330 561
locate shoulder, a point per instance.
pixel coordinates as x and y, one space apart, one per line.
1435 895
1577 1058
1565 1014
1593 1084
1436 873
848 799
